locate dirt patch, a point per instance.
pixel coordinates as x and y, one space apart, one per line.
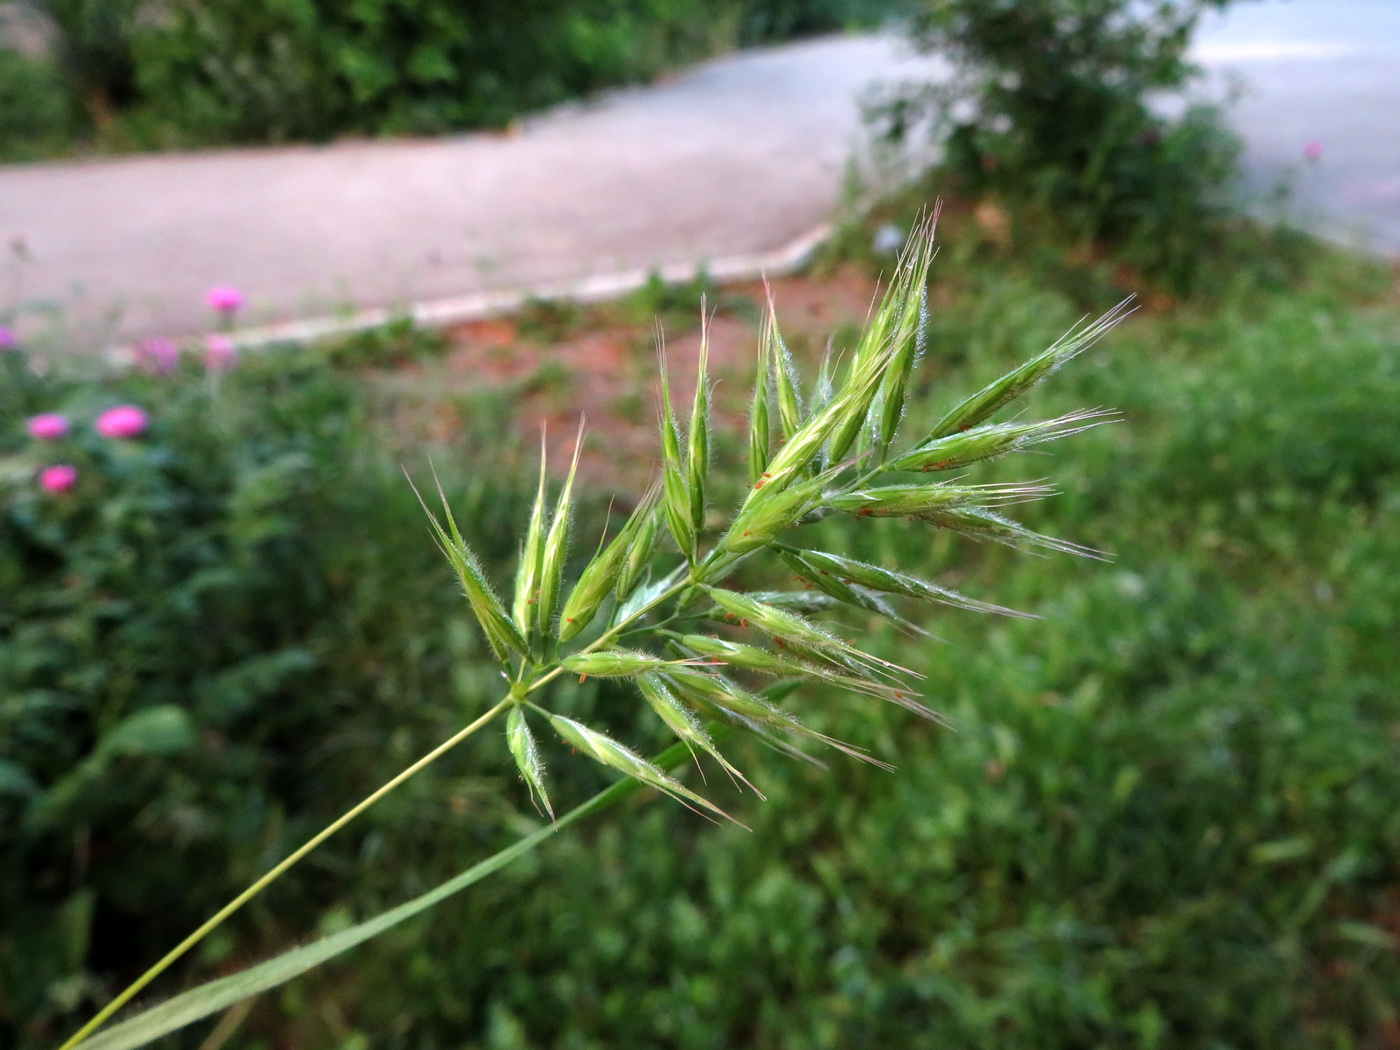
602 363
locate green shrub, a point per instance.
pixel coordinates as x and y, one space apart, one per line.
94 44
267 70
224 627
1055 108
39 111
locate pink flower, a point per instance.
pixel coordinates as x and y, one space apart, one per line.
225 298
59 478
1312 151
219 353
48 427
124 421
8 339
160 355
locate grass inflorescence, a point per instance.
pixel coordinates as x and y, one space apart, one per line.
660 604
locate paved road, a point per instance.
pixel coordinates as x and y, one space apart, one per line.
1325 71
740 155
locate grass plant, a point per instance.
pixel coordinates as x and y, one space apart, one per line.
648 608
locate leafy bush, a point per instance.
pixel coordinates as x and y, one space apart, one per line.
200 71
1056 108
225 621
94 43
39 112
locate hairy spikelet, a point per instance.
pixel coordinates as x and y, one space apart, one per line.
675 487
501 634
603 748
605 571
527 572
556 548
698 446
994 440
527 758
615 663
1017 382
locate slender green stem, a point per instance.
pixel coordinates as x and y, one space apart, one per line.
261 884
219 994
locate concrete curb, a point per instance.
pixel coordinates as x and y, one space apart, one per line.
439 313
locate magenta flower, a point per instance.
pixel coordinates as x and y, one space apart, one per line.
225 298
58 478
1312 151
160 355
48 427
219 353
124 421
8 339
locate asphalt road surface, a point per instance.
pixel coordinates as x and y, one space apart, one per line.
740 155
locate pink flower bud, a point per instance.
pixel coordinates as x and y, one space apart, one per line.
124 421
58 478
48 427
225 298
1312 151
219 353
160 355
8 339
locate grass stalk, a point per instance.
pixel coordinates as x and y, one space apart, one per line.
224 913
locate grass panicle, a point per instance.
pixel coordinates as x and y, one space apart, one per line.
837 454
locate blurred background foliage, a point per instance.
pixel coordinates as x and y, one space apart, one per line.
143 74
1164 815
1078 115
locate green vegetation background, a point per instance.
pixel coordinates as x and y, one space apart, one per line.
151 74
1164 815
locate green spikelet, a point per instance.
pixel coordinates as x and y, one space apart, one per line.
556 548
527 758
1009 387
616 663
527 573
760 437
992 440
680 721
764 516
501 634
716 695
699 439
675 490
609 752
876 578
790 411
605 570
